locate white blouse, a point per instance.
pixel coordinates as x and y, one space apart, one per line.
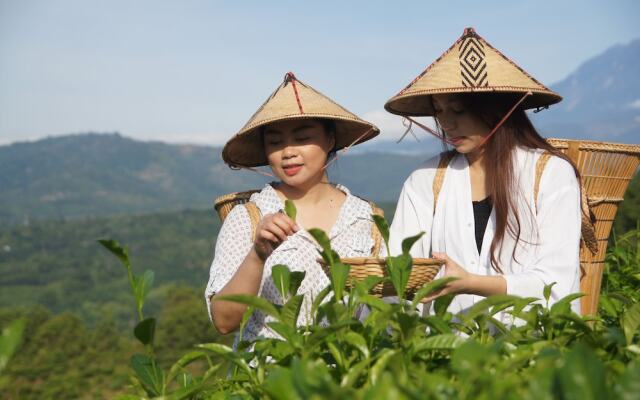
548 249
350 237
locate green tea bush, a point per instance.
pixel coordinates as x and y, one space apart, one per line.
396 353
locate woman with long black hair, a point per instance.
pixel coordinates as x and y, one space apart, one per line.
502 207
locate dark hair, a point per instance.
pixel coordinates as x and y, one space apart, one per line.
517 130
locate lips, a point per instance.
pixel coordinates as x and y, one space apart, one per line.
456 140
293 169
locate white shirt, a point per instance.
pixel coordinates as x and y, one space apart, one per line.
548 250
350 237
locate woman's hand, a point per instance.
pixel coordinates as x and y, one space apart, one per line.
467 282
451 270
272 230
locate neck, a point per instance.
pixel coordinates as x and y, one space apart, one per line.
476 160
311 193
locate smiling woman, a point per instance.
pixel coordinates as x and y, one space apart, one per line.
294 133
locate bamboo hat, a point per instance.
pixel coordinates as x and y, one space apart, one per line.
471 65
294 100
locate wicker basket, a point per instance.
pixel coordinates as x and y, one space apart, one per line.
423 271
606 169
224 204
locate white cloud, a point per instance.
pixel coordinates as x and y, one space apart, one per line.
635 104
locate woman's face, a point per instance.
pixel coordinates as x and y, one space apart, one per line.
297 150
465 130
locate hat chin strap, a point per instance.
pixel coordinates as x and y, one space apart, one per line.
346 149
448 141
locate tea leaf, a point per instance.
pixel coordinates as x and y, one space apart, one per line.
582 376
383 226
399 269
547 291
295 280
228 353
631 322
183 362
145 330
290 209
10 341
114 247
408 243
431 288
257 302
445 341
143 285
148 373
291 310
323 240
357 341
339 274
564 304
281 278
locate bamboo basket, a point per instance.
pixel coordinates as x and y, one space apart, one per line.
606 170
224 204
423 271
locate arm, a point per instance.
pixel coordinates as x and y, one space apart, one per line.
556 252
414 214
246 277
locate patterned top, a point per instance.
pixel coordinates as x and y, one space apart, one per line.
350 237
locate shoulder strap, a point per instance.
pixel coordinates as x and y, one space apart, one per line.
254 216
542 162
445 158
375 233
588 232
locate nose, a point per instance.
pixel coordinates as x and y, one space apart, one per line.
288 151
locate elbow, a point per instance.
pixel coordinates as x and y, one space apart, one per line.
223 324
223 329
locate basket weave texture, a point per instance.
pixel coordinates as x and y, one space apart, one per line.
423 271
606 170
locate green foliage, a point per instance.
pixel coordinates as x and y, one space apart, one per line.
394 352
59 264
9 341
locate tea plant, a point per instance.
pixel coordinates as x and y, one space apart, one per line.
394 352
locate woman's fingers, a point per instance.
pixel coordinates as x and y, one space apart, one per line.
277 231
285 223
440 256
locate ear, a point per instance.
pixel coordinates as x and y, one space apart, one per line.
331 136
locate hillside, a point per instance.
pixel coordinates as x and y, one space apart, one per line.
94 175
59 264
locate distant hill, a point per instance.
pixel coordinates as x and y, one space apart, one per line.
106 174
59 264
601 99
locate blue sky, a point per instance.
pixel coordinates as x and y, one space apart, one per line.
195 71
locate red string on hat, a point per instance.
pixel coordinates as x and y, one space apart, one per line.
290 77
345 149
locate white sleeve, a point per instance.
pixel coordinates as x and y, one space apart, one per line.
414 212
232 246
559 229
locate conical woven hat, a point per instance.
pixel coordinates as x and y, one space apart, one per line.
294 100
471 65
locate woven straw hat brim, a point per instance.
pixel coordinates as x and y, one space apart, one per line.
246 148
470 65
293 100
420 104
